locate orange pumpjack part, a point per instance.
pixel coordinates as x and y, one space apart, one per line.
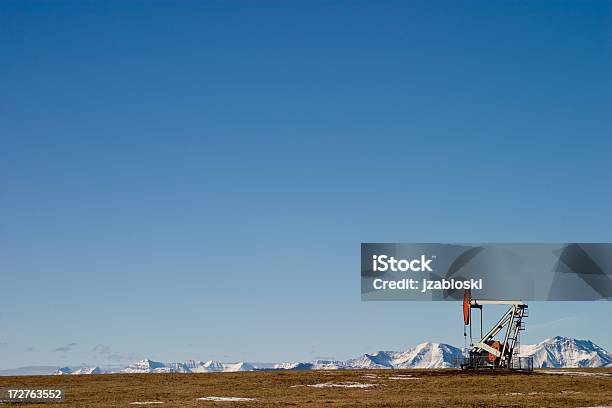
497 346
466 307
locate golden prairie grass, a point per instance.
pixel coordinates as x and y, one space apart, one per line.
392 388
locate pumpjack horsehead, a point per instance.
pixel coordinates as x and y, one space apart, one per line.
493 351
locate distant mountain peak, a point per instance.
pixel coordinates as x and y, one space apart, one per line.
567 352
63 371
240 366
88 371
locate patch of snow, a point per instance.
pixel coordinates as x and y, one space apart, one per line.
404 378
229 399
347 384
576 373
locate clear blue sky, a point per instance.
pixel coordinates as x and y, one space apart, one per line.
193 180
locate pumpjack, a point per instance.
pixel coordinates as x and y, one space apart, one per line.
500 346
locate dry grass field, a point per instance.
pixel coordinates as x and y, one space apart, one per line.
371 388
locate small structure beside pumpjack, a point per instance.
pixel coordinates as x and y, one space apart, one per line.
493 351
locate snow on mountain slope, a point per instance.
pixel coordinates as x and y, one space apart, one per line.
328 365
424 355
564 352
292 366
212 366
63 371
428 355
150 366
88 371
241 366
380 359
177 367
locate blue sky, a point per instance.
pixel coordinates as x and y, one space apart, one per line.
193 180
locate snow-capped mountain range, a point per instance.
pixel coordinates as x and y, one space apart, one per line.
154 367
556 352
191 366
79 371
